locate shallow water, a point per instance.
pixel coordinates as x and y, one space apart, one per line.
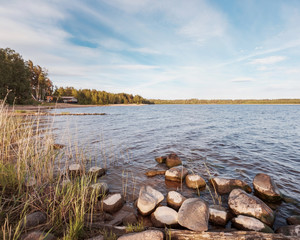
236 141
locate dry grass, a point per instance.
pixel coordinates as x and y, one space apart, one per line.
27 156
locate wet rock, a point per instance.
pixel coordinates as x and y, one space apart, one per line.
265 188
291 230
293 220
148 199
146 220
145 235
34 219
164 216
175 200
113 203
125 212
176 173
195 181
153 173
194 214
100 189
97 171
250 224
242 203
173 160
218 215
76 169
37 235
161 159
224 185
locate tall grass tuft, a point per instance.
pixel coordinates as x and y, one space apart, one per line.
29 181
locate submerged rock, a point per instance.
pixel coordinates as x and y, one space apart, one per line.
173 160
194 214
153 173
176 173
265 188
161 159
96 171
242 203
218 215
291 230
164 216
293 220
250 224
175 200
148 199
195 181
37 235
145 235
113 203
224 185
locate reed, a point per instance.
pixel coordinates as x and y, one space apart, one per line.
29 181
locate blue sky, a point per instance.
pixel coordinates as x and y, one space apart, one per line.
170 49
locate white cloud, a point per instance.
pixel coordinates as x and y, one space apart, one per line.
242 80
268 60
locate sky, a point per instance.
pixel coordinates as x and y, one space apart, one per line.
161 49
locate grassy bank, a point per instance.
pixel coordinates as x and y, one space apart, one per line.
29 182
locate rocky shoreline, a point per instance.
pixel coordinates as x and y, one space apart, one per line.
181 217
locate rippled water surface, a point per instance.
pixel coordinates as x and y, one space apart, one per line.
236 141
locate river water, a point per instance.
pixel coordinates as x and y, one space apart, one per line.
234 141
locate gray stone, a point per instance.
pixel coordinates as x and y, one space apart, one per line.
218 215
224 186
96 171
242 203
164 216
193 214
145 235
175 200
113 203
173 160
195 181
148 199
34 219
76 169
291 230
265 188
176 174
293 220
100 237
250 224
37 235
130 218
100 188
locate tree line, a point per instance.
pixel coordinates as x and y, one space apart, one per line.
88 96
22 81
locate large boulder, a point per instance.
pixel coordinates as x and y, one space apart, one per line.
176 174
242 203
218 215
195 181
223 185
113 203
145 235
173 160
148 199
250 224
175 200
164 216
291 230
193 214
265 188
293 220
